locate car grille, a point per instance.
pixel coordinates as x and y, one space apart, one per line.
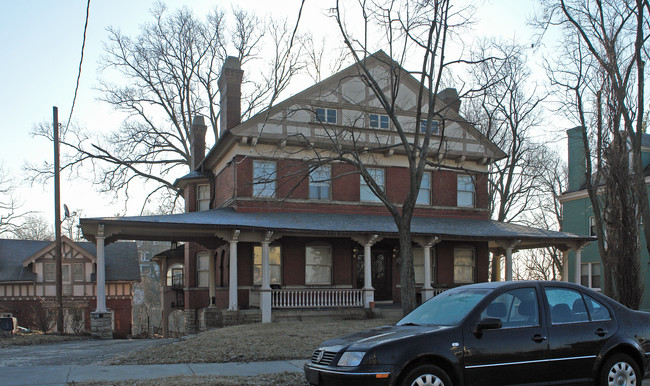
323 357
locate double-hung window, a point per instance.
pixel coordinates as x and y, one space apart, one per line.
379 121
590 275
318 265
465 196
366 194
592 226
275 264
202 269
464 265
203 197
319 183
264 177
424 194
418 265
326 116
435 126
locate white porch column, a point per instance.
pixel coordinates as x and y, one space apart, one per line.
509 246
101 270
212 282
232 273
427 245
578 264
266 280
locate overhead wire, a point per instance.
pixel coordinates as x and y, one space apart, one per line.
81 60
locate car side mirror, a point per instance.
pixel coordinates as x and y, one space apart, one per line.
487 324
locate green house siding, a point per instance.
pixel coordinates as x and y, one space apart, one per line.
577 211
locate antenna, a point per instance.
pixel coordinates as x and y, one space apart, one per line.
66 211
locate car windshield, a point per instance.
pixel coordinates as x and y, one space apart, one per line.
445 309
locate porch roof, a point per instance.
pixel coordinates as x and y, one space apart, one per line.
199 226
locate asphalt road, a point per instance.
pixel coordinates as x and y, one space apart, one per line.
82 352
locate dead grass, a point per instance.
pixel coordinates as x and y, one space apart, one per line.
35 338
283 340
289 379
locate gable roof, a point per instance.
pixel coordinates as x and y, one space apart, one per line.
121 259
379 58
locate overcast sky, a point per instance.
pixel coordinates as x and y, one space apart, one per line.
40 42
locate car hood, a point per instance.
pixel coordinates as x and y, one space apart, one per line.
367 339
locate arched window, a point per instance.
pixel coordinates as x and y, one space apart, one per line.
175 276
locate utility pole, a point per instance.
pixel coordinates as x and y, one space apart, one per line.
57 225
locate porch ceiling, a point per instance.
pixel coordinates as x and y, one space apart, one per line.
202 227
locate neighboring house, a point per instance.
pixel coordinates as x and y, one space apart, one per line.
146 251
264 231
578 218
28 286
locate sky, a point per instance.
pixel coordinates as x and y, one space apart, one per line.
40 45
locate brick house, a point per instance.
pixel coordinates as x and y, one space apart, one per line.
265 229
28 287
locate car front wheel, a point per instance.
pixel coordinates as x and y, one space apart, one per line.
620 370
427 375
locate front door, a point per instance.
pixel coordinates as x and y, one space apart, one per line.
381 275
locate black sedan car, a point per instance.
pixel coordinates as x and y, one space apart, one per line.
498 333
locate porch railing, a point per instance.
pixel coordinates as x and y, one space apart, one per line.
311 298
316 298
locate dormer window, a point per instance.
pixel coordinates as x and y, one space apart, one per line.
203 197
379 121
326 116
435 126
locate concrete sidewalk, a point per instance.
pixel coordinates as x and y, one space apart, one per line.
63 374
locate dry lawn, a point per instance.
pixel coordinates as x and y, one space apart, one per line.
35 338
285 379
281 340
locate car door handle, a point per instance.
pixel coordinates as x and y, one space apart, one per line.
601 332
539 338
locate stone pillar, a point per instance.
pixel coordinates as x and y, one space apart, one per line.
212 280
101 324
265 291
232 273
190 321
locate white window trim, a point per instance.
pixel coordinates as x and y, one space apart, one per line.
265 186
458 191
200 255
435 126
378 121
429 191
326 112
200 200
320 245
321 183
590 275
362 183
473 266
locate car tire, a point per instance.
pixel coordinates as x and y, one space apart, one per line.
427 375
620 369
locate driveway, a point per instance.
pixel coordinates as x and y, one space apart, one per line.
84 352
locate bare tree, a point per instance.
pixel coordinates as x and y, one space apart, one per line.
9 206
35 227
166 76
602 74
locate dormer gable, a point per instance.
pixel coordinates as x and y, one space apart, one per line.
70 250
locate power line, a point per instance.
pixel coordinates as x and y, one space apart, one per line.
76 89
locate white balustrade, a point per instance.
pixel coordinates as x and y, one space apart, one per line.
316 298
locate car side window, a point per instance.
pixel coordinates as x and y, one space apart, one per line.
515 308
566 305
597 311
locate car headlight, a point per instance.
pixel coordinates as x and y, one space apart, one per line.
350 359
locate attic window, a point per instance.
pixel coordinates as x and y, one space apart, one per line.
434 126
326 116
379 121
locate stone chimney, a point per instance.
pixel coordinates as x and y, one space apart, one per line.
449 98
197 140
230 89
577 159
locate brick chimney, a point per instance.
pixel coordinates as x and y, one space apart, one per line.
449 97
230 89
197 140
